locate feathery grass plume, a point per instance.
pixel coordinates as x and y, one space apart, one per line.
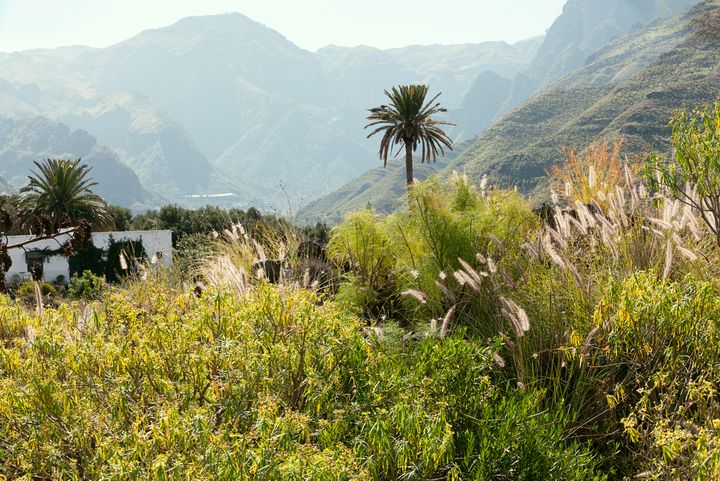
570 220
224 271
477 277
562 222
446 291
464 278
551 252
499 360
261 255
123 262
606 224
684 251
598 169
230 235
516 315
414 293
599 210
591 176
38 299
609 243
82 320
492 267
554 198
446 322
630 183
585 214
661 222
509 343
657 233
29 333
590 337
142 271
557 238
620 195
498 243
668 259
533 248
576 275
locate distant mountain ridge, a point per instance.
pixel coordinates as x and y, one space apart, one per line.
24 141
223 105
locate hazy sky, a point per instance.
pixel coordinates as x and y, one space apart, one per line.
311 24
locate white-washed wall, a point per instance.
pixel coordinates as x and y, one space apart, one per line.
155 242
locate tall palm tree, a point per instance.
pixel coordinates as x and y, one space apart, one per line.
60 194
408 122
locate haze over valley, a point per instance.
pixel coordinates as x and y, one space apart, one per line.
221 109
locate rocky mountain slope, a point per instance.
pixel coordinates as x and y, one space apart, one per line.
25 141
628 89
584 27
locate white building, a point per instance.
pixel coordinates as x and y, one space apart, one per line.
156 243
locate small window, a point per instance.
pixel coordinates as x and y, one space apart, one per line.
31 257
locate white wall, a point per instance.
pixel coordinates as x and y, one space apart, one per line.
154 242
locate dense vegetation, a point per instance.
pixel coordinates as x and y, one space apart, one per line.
466 336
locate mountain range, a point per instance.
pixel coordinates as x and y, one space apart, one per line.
627 88
222 109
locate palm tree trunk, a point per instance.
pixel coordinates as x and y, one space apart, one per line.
408 164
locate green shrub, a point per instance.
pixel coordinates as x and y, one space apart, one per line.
87 286
26 291
191 250
412 250
663 340
361 243
157 383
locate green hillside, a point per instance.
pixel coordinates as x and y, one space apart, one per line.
381 188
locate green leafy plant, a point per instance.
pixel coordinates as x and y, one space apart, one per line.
27 293
693 177
87 286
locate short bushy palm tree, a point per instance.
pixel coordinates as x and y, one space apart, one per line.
60 193
408 122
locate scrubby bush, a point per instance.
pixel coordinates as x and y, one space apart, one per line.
444 227
156 383
27 291
87 286
663 340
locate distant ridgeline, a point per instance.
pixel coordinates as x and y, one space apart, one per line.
628 88
222 105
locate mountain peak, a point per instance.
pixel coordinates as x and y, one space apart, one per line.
228 29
